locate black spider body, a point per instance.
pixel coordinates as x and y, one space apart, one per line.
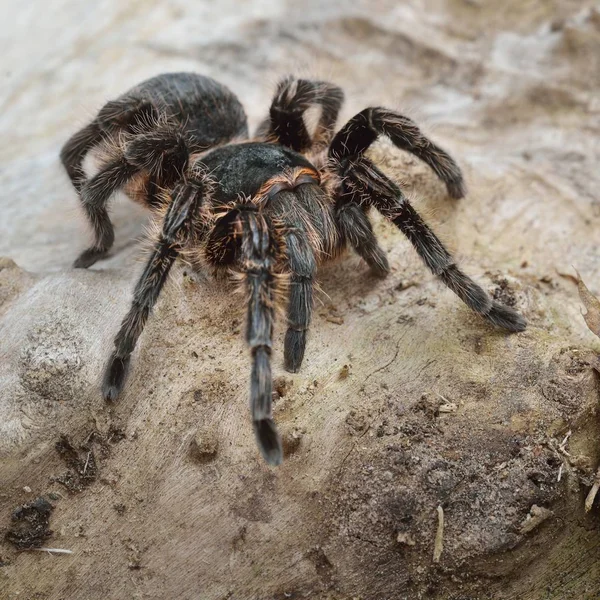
154 127
272 208
242 169
204 108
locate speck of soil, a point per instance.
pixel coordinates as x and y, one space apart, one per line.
83 469
204 446
281 386
31 524
503 293
291 442
120 509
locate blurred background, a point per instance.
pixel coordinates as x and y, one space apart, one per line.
512 91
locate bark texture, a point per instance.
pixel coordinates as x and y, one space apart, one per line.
406 401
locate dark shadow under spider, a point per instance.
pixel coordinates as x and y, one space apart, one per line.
271 208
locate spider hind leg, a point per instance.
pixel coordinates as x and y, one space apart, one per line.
75 149
293 97
162 153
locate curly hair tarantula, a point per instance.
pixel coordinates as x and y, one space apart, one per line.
273 206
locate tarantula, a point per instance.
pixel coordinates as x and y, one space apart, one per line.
270 208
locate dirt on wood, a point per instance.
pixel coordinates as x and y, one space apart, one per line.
406 401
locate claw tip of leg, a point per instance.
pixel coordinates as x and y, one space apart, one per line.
110 393
506 318
457 189
87 258
269 441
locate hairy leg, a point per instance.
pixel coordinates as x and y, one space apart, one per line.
363 129
356 229
257 263
302 265
162 153
293 97
116 115
241 239
176 230
368 184
75 149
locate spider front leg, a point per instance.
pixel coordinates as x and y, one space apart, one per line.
241 239
364 128
162 153
303 266
176 230
293 97
365 183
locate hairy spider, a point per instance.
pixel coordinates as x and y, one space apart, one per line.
270 208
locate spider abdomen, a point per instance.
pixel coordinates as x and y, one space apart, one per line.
204 108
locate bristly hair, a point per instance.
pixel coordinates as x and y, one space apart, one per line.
266 211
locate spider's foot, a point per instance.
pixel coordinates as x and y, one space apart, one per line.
378 272
456 188
295 343
269 441
114 377
505 317
88 257
379 265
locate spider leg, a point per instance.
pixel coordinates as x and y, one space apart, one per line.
75 149
285 124
176 230
355 227
363 129
303 266
116 115
162 153
369 185
242 239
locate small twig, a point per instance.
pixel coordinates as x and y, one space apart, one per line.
565 439
87 462
448 406
589 501
352 448
439 536
537 515
55 550
563 444
560 470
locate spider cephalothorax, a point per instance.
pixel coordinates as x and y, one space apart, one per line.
277 205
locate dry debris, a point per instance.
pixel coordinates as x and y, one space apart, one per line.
537 515
592 305
405 538
589 501
592 319
31 524
83 469
439 536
